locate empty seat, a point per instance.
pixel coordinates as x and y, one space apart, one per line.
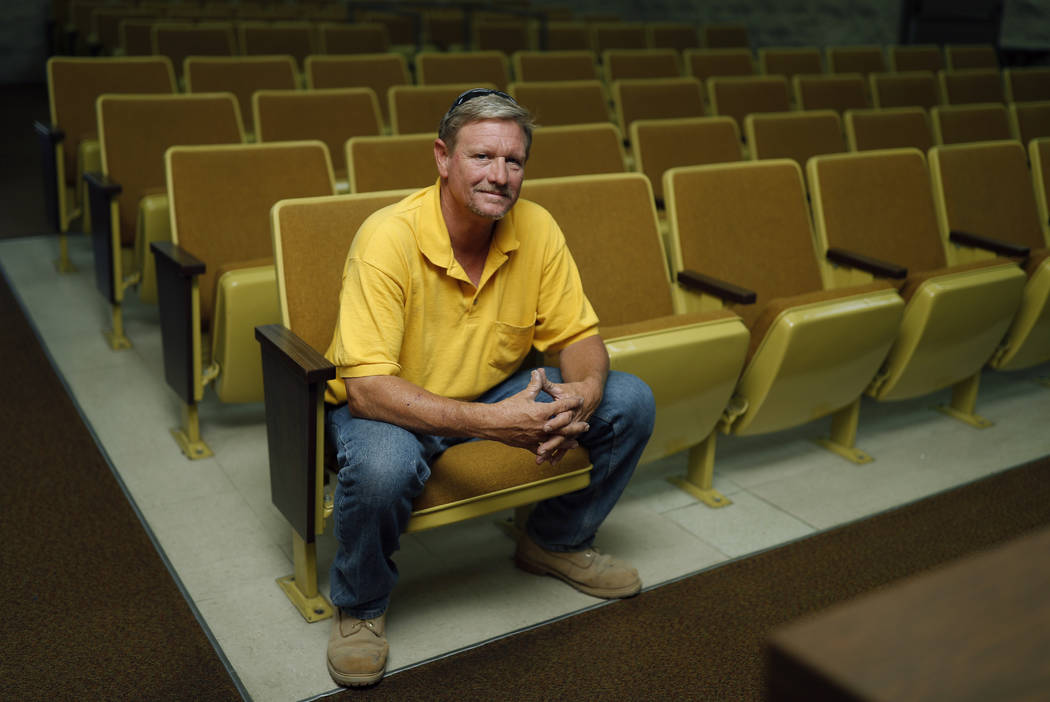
295 39
618 64
405 29
443 28
106 26
575 149
352 38
987 208
419 108
332 115
888 128
787 61
390 162
965 56
490 67
69 141
813 350
178 40
679 36
467 480
1027 84
856 59
839 92
628 286
376 71
566 36
555 65
907 89
136 37
217 272
705 63
563 102
618 35
739 96
725 36
506 34
915 57
794 135
656 98
661 144
129 208
971 86
878 204
1030 120
240 75
956 124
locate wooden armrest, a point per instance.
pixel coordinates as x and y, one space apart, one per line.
311 366
100 193
184 263
877 267
99 183
53 135
698 282
996 246
47 138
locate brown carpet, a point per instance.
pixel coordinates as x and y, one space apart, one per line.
88 610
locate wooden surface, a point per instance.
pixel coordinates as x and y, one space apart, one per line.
976 629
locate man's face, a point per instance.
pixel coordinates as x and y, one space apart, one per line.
484 173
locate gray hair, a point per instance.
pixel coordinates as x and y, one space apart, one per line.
493 105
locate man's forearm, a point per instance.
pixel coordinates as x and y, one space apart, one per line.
586 363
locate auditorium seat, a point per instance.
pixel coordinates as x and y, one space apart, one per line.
691 360
915 57
69 140
105 38
971 86
888 128
618 64
813 350
794 135
376 71
679 36
1027 84
129 207
547 66
905 89
986 208
618 35
332 116
788 61
352 38
136 37
390 162
507 34
958 124
567 35
296 39
1029 120
838 92
725 36
468 480
739 96
661 144
966 56
707 63
555 103
575 149
240 75
179 40
656 98
217 273
419 108
440 68
878 204
855 59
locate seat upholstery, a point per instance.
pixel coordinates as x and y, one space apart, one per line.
575 149
415 109
336 38
240 75
555 103
179 40
439 68
376 163
739 96
656 98
1027 84
618 64
679 36
220 199
725 36
789 61
888 128
971 86
958 124
856 59
705 63
376 71
291 38
468 480
553 65
966 56
691 361
813 351
905 89
618 35
985 189
915 57
954 320
1030 120
507 35
795 135
661 144
839 92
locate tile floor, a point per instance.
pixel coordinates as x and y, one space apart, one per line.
226 543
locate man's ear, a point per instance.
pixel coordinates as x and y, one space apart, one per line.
441 157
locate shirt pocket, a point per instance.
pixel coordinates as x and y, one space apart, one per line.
510 344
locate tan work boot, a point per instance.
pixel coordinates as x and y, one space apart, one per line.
590 572
357 649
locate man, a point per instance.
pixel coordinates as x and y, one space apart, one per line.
444 294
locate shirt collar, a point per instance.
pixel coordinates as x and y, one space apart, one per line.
434 242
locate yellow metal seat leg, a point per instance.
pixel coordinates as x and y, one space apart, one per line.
188 436
844 435
964 403
301 586
115 337
700 476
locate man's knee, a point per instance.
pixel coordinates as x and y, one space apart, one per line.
380 462
629 397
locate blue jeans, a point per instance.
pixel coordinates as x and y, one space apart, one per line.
382 469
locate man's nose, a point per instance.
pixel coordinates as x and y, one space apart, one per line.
498 170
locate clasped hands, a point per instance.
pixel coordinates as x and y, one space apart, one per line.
549 429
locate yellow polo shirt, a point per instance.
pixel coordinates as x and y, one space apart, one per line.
407 307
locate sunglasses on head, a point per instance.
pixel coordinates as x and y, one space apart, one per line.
479 92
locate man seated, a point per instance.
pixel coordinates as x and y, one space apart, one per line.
443 296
